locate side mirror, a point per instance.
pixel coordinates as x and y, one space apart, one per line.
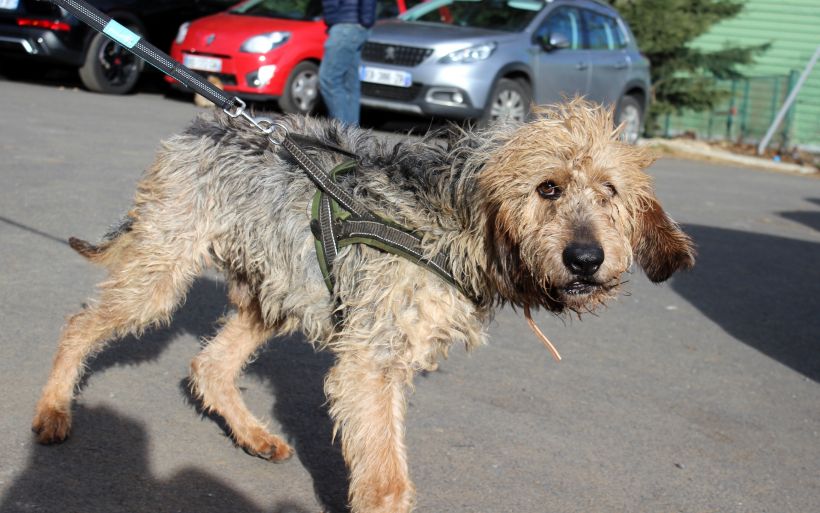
551 42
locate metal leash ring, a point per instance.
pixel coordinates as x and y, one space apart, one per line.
269 127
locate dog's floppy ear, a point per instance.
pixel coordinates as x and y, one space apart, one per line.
660 246
505 266
507 271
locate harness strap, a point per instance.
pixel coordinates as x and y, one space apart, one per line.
324 182
334 226
327 236
310 142
392 240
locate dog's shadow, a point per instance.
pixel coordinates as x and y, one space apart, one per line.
761 289
289 365
85 476
296 373
810 218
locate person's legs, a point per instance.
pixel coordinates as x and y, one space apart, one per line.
330 72
339 71
353 84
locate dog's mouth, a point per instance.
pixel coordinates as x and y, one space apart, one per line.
584 290
581 288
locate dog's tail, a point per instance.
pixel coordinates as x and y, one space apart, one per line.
109 249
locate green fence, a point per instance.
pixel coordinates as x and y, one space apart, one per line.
744 116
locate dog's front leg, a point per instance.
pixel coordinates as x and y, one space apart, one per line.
367 403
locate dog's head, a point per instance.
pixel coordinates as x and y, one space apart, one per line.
568 208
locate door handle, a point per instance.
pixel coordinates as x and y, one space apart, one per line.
620 65
581 66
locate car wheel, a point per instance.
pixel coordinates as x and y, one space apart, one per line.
301 94
109 68
630 114
509 101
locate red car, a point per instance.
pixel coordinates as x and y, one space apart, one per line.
264 49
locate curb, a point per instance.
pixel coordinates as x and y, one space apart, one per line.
703 151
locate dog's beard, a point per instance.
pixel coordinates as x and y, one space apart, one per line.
585 295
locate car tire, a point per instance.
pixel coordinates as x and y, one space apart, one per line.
108 67
509 100
630 114
301 93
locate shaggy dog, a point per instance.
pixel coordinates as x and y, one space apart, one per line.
546 214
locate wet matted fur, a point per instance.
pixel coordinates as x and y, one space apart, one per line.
546 214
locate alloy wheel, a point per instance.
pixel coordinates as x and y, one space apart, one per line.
305 90
631 119
508 105
118 65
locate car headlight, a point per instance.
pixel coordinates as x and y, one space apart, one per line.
263 43
471 54
182 32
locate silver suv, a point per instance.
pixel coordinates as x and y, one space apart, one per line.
491 59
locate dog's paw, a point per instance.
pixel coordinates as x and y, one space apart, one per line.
51 426
268 447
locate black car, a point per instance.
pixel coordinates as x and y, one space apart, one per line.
39 30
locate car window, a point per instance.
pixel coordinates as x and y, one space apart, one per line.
603 32
386 9
563 21
287 9
507 15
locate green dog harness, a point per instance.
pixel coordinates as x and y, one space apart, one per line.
334 226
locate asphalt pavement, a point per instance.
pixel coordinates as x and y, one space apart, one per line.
699 395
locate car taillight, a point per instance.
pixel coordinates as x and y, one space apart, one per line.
59 26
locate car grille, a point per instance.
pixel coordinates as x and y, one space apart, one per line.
391 92
225 78
394 54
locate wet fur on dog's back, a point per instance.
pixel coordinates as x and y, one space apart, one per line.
547 214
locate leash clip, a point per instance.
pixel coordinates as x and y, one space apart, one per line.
266 125
238 104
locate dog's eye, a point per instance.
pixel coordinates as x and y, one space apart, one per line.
610 189
548 190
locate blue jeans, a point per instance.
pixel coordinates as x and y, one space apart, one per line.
339 71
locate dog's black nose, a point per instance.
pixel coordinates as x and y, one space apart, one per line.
583 258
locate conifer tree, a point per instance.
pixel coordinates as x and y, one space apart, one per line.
683 75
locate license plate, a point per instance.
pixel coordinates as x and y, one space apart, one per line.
200 63
9 4
385 76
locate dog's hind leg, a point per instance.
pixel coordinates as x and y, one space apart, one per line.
215 370
148 279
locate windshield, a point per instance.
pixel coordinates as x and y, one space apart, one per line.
507 15
288 9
